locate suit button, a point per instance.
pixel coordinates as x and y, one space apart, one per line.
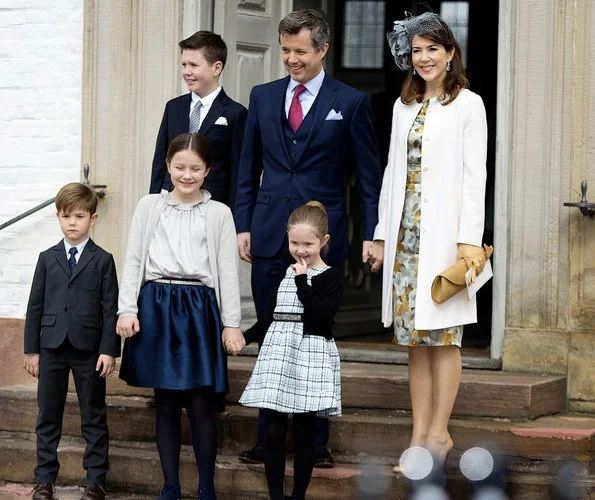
287 198
66 308
425 169
294 141
294 173
293 155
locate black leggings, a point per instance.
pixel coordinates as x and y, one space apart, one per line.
275 430
168 410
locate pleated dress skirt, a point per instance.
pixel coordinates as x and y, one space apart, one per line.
179 343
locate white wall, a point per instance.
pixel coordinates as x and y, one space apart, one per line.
41 45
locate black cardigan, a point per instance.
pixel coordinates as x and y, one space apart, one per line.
320 301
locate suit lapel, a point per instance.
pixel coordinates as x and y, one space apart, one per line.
183 112
215 112
325 101
60 253
278 96
87 256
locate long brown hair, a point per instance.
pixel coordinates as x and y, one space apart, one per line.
414 86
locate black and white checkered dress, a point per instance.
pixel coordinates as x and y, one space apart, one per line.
295 373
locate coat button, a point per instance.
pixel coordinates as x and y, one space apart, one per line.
294 173
425 200
425 169
423 230
287 198
294 141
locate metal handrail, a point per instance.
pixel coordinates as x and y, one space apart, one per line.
100 194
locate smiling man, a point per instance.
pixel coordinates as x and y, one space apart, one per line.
304 134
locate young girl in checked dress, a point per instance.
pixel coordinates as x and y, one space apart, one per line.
298 369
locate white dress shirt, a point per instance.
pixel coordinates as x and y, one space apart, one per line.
79 248
207 102
307 97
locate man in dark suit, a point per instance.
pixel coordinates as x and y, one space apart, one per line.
304 133
207 110
71 325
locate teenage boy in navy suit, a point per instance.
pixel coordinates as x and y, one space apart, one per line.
207 110
71 326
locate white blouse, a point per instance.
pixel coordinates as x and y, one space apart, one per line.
178 247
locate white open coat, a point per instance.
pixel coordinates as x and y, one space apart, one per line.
453 177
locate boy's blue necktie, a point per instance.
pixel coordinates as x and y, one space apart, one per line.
71 260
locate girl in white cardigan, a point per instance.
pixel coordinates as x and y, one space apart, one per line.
179 309
431 212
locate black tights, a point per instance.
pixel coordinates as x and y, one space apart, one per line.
275 430
168 410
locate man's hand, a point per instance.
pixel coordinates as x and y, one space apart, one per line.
366 247
31 364
233 340
127 326
105 364
244 246
376 255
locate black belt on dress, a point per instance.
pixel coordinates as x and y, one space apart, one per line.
288 317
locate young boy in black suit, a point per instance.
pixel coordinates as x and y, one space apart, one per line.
71 325
207 110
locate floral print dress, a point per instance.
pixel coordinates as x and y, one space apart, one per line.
406 261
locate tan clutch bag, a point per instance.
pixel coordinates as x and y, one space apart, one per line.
452 280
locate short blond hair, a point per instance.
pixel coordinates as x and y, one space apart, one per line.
76 195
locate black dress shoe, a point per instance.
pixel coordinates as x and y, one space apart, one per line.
323 458
93 492
254 455
43 491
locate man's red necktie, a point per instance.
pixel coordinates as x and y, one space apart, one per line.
296 116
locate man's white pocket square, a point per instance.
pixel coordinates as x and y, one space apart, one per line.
221 121
333 115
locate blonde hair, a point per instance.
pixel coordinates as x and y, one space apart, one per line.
76 195
314 214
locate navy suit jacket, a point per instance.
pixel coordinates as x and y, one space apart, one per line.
225 142
332 149
82 307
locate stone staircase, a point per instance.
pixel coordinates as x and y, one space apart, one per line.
521 414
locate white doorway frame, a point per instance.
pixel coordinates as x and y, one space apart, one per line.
504 102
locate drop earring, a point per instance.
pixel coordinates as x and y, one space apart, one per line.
413 72
447 65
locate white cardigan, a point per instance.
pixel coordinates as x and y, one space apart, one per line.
453 177
221 246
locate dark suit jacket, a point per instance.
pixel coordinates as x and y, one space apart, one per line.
82 307
225 141
332 148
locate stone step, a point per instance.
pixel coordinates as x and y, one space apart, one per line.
482 393
360 435
135 468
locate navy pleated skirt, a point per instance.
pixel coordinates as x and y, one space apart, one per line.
179 343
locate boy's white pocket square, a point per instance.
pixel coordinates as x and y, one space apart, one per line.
333 115
221 121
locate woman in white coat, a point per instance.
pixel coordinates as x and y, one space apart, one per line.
431 212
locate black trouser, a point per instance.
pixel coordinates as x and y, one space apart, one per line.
54 368
275 425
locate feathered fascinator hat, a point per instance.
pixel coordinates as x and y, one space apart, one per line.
399 39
